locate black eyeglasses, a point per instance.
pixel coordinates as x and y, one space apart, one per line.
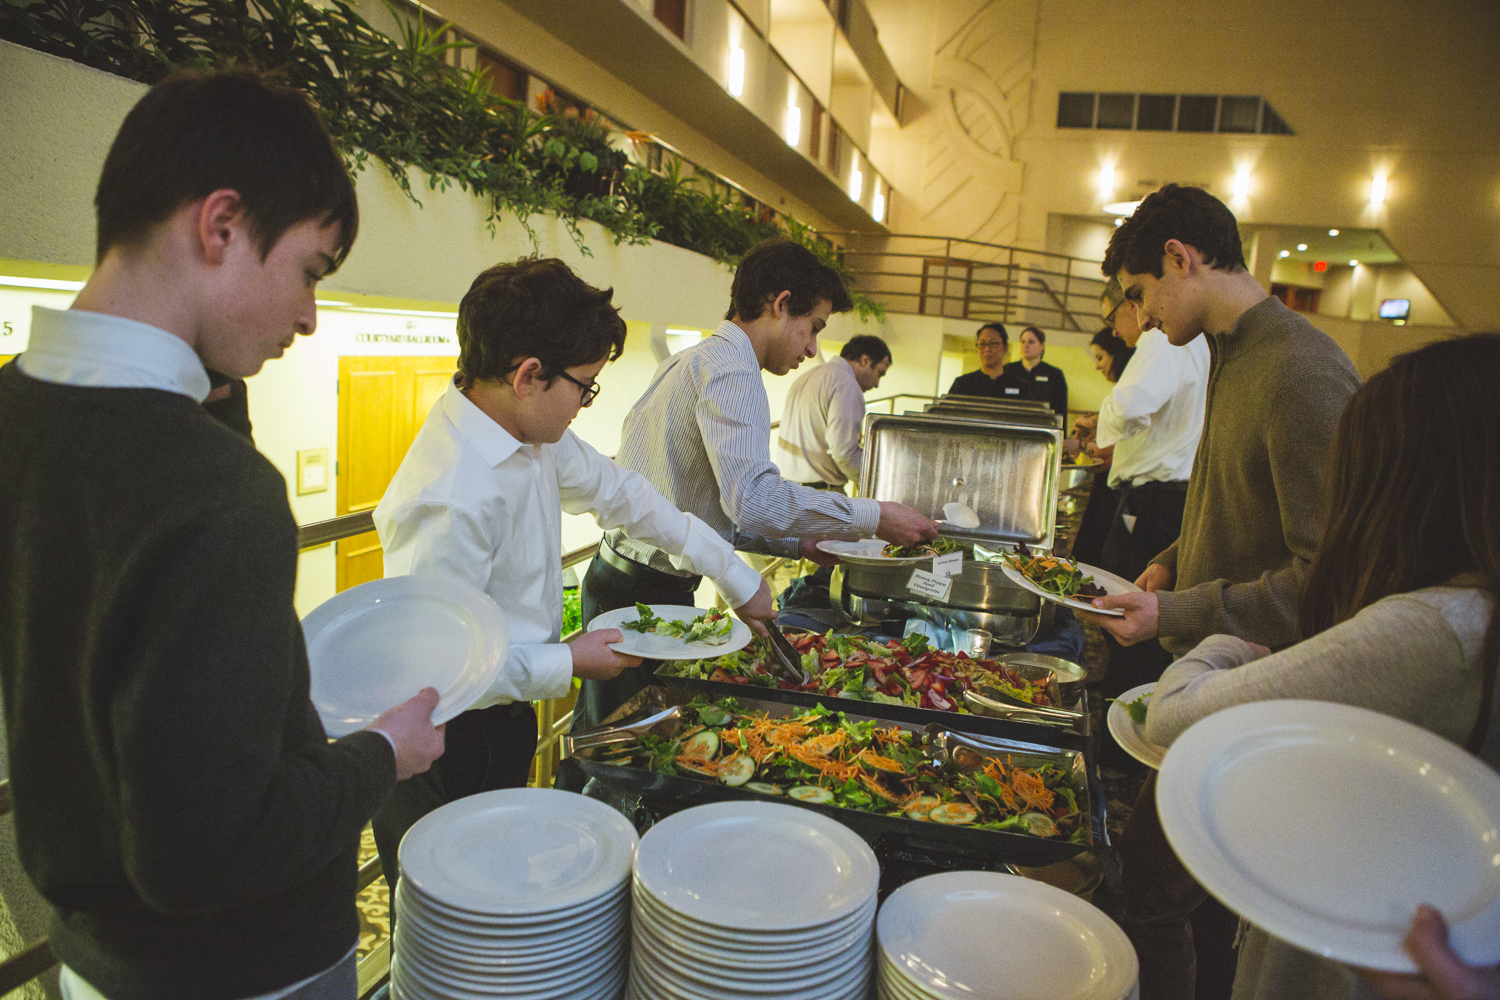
590 389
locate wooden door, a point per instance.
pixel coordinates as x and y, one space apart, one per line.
382 403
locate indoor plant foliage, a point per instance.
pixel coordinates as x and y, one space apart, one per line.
396 100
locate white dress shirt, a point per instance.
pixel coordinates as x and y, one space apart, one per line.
74 347
472 503
819 434
1154 414
701 434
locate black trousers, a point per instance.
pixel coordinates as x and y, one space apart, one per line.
606 588
484 749
1157 509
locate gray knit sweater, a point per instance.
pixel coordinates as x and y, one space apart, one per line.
1257 496
1414 656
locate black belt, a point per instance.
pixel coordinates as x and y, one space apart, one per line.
631 568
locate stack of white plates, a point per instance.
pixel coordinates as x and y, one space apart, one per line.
752 900
522 893
981 935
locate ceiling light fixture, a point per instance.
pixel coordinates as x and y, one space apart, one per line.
1242 184
793 124
877 206
1301 247
1377 190
736 71
1333 232
1354 263
1125 208
1285 253
1106 180
856 183
1119 221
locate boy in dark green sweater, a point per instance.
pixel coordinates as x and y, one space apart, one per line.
176 798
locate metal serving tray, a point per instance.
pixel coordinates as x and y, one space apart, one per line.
1008 473
633 789
997 414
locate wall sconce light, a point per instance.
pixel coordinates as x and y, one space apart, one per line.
856 183
793 124
1106 181
1377 190
736 71
1242 184
877 206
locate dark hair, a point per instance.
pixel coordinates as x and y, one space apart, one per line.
865 346
1188 214
1119 352
1414 485
775 266
1037 331
535 309
195 133
1004 337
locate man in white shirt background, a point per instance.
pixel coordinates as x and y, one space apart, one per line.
1153 417
819 437
480 495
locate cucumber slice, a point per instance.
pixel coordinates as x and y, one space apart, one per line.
765 788
921 807
696 766
736 770
810 793
702 746
953 813
1039 824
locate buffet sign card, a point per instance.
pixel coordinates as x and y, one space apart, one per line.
929 585
948 564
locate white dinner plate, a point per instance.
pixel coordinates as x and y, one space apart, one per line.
585 984
374 646
1112 585
502 949
518 851
664 982
962 934
1127 734
1327 825
756 866
736 946
772 974
465 923
867 552
665 647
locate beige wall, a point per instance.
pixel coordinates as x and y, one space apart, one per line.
1407 89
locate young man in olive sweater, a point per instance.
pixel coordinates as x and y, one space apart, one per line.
1255 504
176 798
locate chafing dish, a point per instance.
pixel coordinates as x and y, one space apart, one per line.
650 795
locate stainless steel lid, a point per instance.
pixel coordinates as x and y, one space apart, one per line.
968 411
1006 472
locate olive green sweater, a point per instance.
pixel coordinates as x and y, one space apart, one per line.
176 799
1258 492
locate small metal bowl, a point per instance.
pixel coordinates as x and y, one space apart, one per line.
1070 676
1080 874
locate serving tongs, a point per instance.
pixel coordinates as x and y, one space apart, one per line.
667 722
964 749
784 662
996 703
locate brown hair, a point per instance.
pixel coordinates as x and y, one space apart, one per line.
195 133
1194 217
1415 486
775 266
535 308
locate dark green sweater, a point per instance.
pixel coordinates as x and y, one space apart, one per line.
176 799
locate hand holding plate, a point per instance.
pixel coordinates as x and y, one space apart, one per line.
807 548
1139 622
900 525
415 739
594 660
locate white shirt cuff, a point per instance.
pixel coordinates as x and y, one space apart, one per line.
739 584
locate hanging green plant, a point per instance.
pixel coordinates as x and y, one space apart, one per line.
398 102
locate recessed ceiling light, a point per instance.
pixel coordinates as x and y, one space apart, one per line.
1285 253
1301 247
1122 207
1354 263
1333 232
1119 221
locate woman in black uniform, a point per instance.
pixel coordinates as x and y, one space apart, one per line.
1037 379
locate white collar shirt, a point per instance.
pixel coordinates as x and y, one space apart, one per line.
701 433
1154 414
472 503
74 347
819 436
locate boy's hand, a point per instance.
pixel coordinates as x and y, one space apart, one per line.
900 525
759 609
1156 577
416 740
593 659
1139 623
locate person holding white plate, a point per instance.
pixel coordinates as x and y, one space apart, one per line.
479 498
1399 600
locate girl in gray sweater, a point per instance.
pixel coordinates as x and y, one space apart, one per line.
1399 601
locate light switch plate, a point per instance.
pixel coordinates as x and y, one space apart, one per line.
312 471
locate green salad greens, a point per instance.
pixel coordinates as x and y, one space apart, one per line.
711 628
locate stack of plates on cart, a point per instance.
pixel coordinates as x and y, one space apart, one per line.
522 893
982 934
752 900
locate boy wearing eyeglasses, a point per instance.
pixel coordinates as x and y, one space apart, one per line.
479 497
